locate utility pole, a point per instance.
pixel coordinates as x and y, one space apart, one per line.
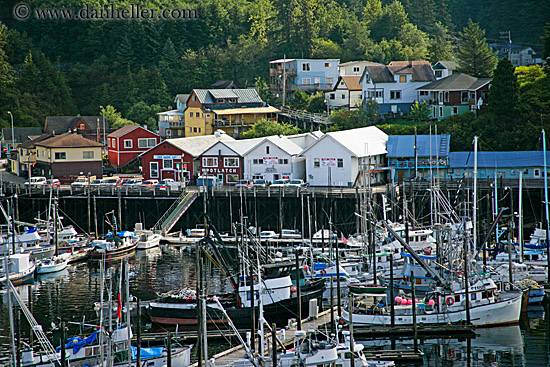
507 36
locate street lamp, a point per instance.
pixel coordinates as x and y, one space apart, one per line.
103 111
12 135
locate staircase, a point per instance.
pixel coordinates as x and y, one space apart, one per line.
176 210
443 145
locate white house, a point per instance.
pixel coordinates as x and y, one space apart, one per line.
273 158
394 86
339 158
352 68
346 94
443 69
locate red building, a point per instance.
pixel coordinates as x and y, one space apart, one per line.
225 160
167 158
128 142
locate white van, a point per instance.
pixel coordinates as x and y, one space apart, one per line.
36 181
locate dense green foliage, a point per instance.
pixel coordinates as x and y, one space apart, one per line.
69 67
266 127
474 56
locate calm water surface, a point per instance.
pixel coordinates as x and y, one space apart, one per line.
70 296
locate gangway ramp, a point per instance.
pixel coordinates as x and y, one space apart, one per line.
176 210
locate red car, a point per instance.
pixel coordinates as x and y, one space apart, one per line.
53 182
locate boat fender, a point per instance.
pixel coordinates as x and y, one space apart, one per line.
428 250
323 272
450 301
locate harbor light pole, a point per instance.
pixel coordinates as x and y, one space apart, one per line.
12 135
103 111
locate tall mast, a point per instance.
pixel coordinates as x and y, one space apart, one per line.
474 204
546 201
520 216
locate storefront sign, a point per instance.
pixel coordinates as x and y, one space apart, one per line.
167 157
219 170
328 162
271 160
422 163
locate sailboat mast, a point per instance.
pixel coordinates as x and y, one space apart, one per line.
474 204
10 310
520 216
546 202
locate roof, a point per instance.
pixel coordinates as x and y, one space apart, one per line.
182 98
126 129
171 113
223 84
450 65
21 133
409 63
68 140
349 63
249 95
352 82
361 142
29 144
62 124
420 71
427 145
456 81
237 111
196 145
379 74
498 159
289 60
284 144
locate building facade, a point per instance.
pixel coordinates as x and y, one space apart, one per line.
172 123
68 155
304 74
346 94
127 143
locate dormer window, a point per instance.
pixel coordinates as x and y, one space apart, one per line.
232 100
402 78
219 100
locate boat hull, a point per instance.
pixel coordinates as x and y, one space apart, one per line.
46 269
503 312
117 254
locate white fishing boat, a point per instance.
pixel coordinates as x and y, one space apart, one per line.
486 308
52 264
20 269
146 239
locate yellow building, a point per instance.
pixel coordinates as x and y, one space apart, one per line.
231 110
68 155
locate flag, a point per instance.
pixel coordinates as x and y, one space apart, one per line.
344 241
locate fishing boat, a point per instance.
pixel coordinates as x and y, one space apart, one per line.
146 239
113 247
20 269
278 297
52 264
486 307
360 288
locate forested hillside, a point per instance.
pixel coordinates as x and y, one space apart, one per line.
66 67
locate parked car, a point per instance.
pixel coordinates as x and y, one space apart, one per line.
53 182
298 183
97 182
261 183
280 183
132 182
168 182
109 171
81 181
115 181
36 181
244 183
150 184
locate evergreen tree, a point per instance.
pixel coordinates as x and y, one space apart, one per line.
439 47
546 51
28 79
125 52
300 100
504 92
7 81
475 58
169 54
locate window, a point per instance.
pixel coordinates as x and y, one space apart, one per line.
267 149
440 111
305 66
154 169
340 163
231 162
114 143
317 81
147 143
257 161
464 97
199 129
395 94
207 115
536 173
210 162
376 93
328 64
455 111
316 162
231 179
332 96
306 81
473 95
127 143
194 98
283 161
526 171
194 129
190 114
343 96
356 69
88 154
167 164
190 129
60 155
402 78
446 96
330 81
424 93
438 73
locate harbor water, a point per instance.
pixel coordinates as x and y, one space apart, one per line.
70 296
